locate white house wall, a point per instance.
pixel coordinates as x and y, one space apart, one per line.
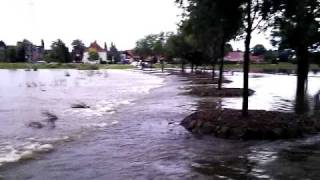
103 56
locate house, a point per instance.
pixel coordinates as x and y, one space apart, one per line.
127 56
237 57
95 48
234 57
33 53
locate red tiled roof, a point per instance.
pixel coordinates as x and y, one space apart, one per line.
96 46
234 56
237 56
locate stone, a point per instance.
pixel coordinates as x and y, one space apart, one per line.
36 125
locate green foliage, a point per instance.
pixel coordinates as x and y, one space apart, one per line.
212 23
22 49
93 56
12 54
296 23
271 56
259 49
78 50
228 48
59 52
152 45
115 54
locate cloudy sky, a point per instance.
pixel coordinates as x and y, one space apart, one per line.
120 21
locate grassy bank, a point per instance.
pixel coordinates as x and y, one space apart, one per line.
64 66
228 67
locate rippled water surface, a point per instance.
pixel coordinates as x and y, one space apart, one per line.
274 92
26 95
132 129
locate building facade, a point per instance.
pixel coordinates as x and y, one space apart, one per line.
95 48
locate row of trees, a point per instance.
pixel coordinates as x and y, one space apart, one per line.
153 45
59 52
209 24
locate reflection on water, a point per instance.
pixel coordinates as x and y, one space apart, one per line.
274 92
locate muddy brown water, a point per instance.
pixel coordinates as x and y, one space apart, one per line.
147 141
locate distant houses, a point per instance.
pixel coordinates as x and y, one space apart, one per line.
26 51
33 53
23 51
237 57
101 54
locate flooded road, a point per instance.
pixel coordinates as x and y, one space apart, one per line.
143 140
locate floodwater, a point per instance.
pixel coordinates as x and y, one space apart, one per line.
274 92
132 129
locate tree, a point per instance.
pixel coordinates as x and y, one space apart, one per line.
115 54
152 45
3 51
60 52
93 56
12 54
212 24
78 49
259 50
252 14
271 56
228 48
224 16
23 50
297 24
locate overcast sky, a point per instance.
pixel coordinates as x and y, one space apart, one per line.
120 21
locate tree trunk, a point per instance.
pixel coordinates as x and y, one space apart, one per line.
183 66
214 62
303 60
302 79
221 66
192 67
213 70
162 65
246 63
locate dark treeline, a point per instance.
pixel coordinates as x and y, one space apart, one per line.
295 25
208 25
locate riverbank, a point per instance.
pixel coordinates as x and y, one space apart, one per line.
63 66
259 125
263 68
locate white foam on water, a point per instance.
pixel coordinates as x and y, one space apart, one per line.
13 153
99 125
103 124
101 108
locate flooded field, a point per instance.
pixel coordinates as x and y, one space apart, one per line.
26 96
132 131
274 92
